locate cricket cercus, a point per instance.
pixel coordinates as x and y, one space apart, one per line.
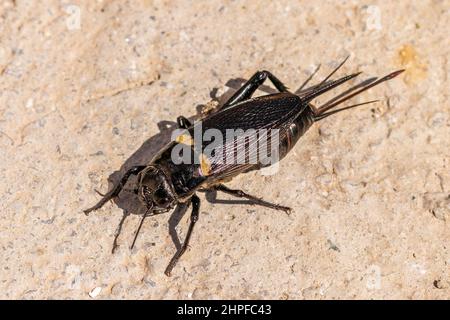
164 182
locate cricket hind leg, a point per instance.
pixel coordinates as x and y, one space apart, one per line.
247 90
114 192
195 200
255 200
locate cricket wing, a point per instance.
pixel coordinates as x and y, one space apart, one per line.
232 156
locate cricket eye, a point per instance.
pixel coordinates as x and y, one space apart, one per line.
161 197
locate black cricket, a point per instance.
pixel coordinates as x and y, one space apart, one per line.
161 184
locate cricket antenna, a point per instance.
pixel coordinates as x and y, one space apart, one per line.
139 227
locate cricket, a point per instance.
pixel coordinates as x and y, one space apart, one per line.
164 182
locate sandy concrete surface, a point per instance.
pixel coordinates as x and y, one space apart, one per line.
89 88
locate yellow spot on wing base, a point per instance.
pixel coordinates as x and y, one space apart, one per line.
205 165
185 139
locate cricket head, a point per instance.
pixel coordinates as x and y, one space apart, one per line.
155 190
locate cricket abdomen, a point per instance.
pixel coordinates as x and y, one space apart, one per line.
295 130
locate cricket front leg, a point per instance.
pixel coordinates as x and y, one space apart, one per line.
194 217
255 200
114 192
